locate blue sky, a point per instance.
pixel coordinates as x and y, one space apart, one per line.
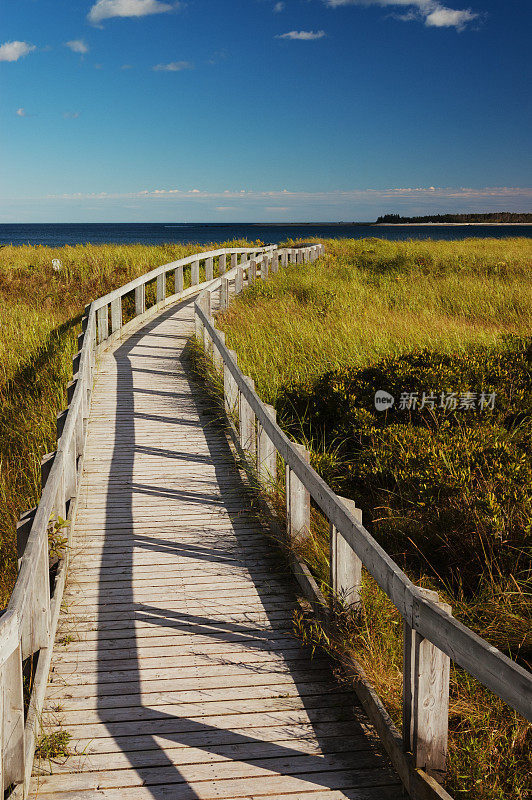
221 110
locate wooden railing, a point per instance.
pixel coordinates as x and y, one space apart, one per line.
432 636
28 624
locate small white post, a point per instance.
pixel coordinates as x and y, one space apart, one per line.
161 288
426 698
275 262
116 314
209 273
252 273
230 388
224 293
264 268
239 280
103 323
284 258
234 260
216 355
194 273
345 565
222 264
267 454
140 299
248 437
179 282
297 501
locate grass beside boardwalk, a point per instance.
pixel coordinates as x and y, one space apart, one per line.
447 492
39 321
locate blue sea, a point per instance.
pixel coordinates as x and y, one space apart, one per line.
56 235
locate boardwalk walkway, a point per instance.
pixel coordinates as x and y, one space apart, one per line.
175 669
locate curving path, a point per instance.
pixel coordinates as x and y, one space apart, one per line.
175 669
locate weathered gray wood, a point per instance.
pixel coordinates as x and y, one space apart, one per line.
297 500
216 356
194 273
267 454
345 565
275 262
116 314
47 463
140 299
103 324
179 281
222 264
239 280
284 258
248 432
230 385
160 290
224 294
234 260
426 698
207 341
264 270
252 272
12 736
209 273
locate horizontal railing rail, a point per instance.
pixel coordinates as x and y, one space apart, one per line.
28 624
432 636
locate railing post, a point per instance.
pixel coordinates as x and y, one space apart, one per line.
194 273
209 273
248 433
221 264
234 260
179 282
161 288
426 698
297 501
267 454
116 314
206 307
265 268
224 293
12 721
345 565
252 272
230 388
140 299
197 321
239 280
216 355
103 324
275 262
284 258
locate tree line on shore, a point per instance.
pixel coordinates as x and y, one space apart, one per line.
495 216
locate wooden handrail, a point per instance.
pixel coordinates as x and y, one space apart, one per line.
423 615
29 622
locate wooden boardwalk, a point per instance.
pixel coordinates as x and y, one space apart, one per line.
175 669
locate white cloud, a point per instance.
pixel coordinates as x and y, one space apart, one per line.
302 36
431 12
105 9
173 66
12 51
71 114
126 66
21 112
447 18
278 7
77 46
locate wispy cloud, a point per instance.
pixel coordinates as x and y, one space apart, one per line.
12 51
278 7
21 112
77 46
106 9
173 66
433 13
71 114
126 66
302 36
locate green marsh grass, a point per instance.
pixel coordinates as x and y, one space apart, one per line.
449 497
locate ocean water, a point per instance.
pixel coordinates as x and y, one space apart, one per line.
56 235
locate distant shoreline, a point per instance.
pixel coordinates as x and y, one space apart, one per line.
446 224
